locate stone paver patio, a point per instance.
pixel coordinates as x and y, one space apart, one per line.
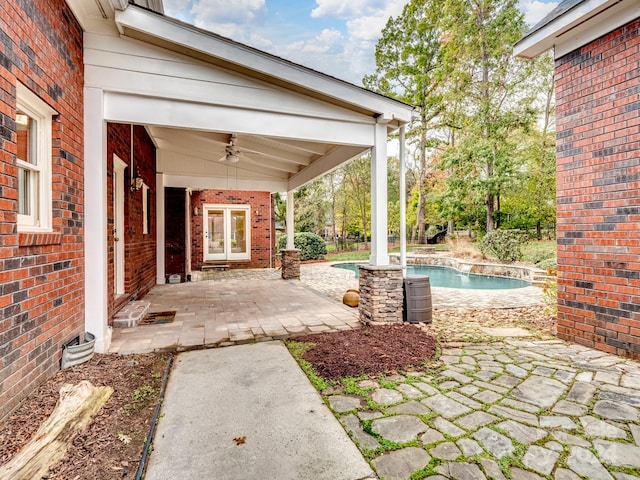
243 306
236 307
514 408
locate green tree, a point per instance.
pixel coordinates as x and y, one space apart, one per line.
490 90
410 67
357 185
311 208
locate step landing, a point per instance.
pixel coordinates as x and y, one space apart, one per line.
131 314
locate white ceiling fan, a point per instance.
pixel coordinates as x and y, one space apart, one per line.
232 153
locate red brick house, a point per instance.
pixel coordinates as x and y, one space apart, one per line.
597 50
134 146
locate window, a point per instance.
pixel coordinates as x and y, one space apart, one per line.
146 204
227 235
33 159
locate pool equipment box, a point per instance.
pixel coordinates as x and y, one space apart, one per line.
417 306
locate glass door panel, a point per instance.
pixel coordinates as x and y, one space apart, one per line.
239 232
214 235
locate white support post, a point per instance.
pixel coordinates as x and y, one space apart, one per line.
403 204
160 247
290 244
379 249
96 279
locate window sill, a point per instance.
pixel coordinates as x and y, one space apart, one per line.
34 239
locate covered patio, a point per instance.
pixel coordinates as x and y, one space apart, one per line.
241 306
222 116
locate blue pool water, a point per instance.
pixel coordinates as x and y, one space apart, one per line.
452 278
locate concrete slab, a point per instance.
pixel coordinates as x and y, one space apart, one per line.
256 392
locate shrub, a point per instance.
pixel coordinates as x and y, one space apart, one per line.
506 245
311 246
548 264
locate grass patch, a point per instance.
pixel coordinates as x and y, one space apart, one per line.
428 471
347 256
534 251
297 349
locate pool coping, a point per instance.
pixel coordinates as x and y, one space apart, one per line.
521 272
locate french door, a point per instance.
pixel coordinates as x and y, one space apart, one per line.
226 231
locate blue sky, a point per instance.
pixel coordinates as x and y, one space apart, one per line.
337 37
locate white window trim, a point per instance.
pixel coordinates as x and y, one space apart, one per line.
32 105
228 255
145 209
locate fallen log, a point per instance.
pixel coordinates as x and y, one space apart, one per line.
73 414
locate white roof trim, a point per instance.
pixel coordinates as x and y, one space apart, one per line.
189 37
578 26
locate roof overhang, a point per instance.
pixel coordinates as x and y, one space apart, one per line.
199 95
574 24
186 39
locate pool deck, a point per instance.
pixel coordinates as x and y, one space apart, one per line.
245 306
333 282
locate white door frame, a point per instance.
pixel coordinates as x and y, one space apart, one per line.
228 253
118 221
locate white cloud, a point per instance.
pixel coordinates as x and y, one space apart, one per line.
535 10
231 18
347 9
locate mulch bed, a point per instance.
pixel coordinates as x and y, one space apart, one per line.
112 445
369 350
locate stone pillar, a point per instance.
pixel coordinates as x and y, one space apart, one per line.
380 293
291 264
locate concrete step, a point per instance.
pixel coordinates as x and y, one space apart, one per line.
131 314
209 267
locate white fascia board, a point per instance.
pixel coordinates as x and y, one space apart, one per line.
577 27
166 112
226 50
324 165
223 183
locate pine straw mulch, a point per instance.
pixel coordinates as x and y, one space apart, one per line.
370 350
112 445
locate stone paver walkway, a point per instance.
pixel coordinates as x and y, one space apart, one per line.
515 409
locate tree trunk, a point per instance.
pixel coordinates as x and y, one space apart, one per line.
490 210
73 414
419 227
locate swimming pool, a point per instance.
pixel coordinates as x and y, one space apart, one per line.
451 278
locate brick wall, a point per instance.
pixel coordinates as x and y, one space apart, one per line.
262 225
140 248
598 189
41 275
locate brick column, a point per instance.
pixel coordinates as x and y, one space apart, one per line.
380 293
291 264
